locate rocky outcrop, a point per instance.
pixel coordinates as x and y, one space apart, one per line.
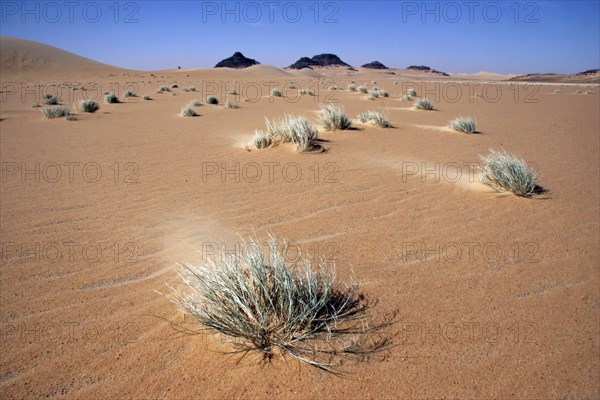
237 60
375 65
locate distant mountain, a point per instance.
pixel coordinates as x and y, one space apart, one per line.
375 65
237 60
424 68
320 60
304 62
589 76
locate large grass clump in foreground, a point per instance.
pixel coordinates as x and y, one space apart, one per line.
291 129
261 305
374 118
334 118
88 106
507 172
463 124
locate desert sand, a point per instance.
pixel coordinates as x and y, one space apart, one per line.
497 295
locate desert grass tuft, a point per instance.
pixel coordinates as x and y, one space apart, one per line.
262 305
362 89
230 105
406 97
87 105
55 111
261 140
211 100
334 118
35 105
507 172
147 97
188 111
276 92
411 92
306 91
463 124
111 98
352 88
195 103
374 118
49 99
129 93
291 129
423 104
162 89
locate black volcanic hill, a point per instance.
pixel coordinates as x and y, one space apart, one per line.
423 68
304 62
237 60
320 60
375 65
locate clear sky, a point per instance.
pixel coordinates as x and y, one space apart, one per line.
451 36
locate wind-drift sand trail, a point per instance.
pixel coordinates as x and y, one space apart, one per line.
498 296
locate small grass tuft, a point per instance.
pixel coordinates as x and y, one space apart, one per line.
352 88
147 97
306 91
111 98
195 103
363 89
211 100
35 105
276 92
162 89
188 111
463 124
333 118
129 93
230 105
507 172
261 140
292 129
374 118
55 111
88 106
411 92
49 99
423 104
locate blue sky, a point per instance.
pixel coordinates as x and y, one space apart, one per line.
498 36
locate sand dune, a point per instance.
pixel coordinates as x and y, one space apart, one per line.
513 315
22 58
